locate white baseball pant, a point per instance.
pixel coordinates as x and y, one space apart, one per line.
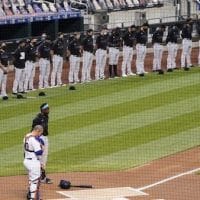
34 171
101 56
140 56
199 54
18 85
3 83
113 55
29 75
74 62
44 65
127 59
87 64
172 52
157 59
175 53
57 70
186 53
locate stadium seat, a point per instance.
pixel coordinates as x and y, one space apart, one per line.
36 8
44 7
30 9
2 13
60 8
52 7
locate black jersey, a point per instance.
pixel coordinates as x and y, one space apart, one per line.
58 47
31 52
45 50
41 119
115 40
88 44
172 35
187 32
4 57
102 42
157 36
141 37
75 47
129 38
20 57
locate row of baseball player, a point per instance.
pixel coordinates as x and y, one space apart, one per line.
29 54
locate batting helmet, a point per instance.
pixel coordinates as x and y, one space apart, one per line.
64 184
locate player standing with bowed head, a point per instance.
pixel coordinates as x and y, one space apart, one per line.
32 152
30 64
58 53
88 48
199 54
44 51
157 41
74 50
101 53
4 56
186 44
19 63
114 43
129 40
172 46
141 42
42 119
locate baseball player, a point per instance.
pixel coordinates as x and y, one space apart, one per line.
32 152
101 53
88 49
128 43
199 54
58 52
4 57
157 40
74 49
186 44
171 40
114 43
141 41
44 51
19 63
42 119
30 64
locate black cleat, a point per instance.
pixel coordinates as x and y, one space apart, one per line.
170 70
142 74
186 68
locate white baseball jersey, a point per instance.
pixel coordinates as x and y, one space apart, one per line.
32 164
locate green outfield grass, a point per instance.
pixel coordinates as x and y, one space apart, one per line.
107 125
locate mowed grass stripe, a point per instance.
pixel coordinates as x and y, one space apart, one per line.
122 109
60 96
142 154
103 114
126 139
90 154
92 89
124 159
65 110
108 128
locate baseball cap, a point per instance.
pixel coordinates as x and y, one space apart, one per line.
44 106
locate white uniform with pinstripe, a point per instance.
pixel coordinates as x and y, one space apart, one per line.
32 163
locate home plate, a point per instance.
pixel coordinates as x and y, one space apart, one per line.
102 194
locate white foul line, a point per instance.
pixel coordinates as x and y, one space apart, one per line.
168 179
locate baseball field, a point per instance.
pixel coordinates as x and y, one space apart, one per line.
107 125
131 138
